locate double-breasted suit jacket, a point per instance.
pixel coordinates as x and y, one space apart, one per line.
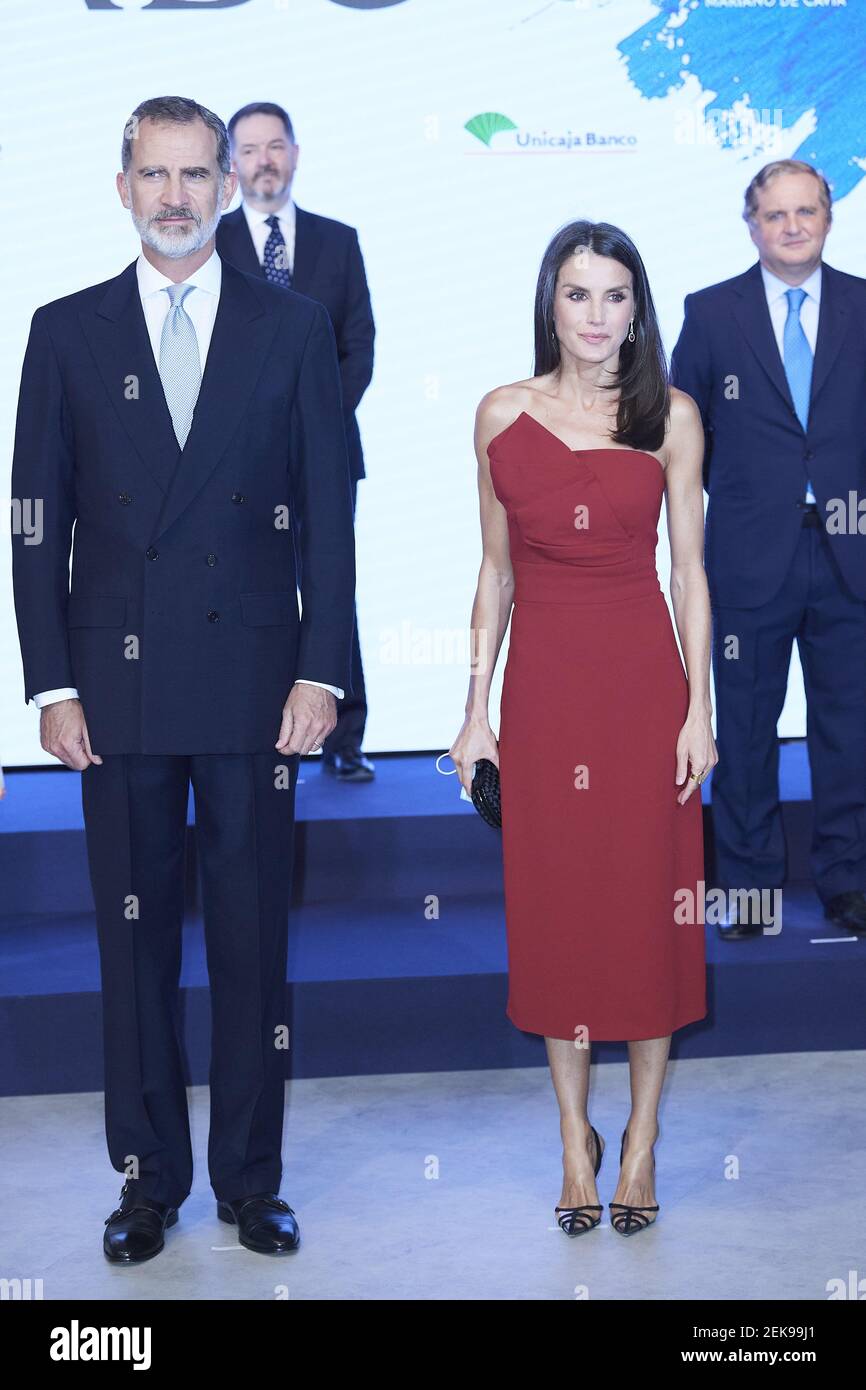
182 630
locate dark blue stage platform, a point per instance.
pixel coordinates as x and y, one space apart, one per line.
397 945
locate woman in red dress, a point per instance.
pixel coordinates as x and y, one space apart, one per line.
604 738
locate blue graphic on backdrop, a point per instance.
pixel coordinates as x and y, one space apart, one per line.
776 57
217 4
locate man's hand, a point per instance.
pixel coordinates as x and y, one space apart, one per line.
63 732
309 715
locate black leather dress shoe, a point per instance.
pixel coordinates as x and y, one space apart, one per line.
742 917
134 1231
848 910
265 1223
351 766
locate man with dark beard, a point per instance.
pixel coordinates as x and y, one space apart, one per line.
269 235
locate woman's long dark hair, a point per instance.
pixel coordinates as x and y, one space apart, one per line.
642 380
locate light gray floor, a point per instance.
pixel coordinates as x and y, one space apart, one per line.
359 1153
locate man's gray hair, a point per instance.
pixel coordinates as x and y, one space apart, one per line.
785 166
180 111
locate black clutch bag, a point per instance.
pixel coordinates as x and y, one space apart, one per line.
485 792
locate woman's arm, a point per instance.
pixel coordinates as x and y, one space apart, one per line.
491 608
684 451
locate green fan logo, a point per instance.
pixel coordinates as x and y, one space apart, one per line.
488 124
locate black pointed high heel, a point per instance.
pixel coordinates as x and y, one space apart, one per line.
575 1220
629 1220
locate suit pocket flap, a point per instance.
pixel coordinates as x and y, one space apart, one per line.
263 610
96 610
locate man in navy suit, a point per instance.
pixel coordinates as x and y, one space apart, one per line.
186 419
269 235
776 361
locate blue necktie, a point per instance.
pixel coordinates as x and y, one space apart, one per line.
276 258
179 362
798 363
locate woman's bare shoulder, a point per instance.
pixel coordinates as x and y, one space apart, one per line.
684 412
501 406
685 430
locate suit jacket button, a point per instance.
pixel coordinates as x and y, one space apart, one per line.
237 497
124 498
151 553
211 559
213 616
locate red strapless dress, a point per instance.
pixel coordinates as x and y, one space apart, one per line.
597 852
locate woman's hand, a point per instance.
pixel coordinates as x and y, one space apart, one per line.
696 752
474 741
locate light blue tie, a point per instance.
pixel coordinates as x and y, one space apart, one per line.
798 363
179 363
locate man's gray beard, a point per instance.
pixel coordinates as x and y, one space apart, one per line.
252 191
175 244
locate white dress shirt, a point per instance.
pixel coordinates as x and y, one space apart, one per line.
201 307
776 290
260 231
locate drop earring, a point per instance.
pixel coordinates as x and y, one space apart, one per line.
631 334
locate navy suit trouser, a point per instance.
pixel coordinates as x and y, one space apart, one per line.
135 811
815 606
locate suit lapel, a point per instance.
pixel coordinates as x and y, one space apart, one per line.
236 244
242 333
753 315
118 338
308 246
833 318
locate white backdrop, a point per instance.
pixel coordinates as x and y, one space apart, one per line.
452 230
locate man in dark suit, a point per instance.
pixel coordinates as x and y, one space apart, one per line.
776 360
269 235
186 418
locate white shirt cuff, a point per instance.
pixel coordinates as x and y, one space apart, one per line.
50 697
334 689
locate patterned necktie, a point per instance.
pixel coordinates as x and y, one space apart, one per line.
276 261
179 362
798 363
